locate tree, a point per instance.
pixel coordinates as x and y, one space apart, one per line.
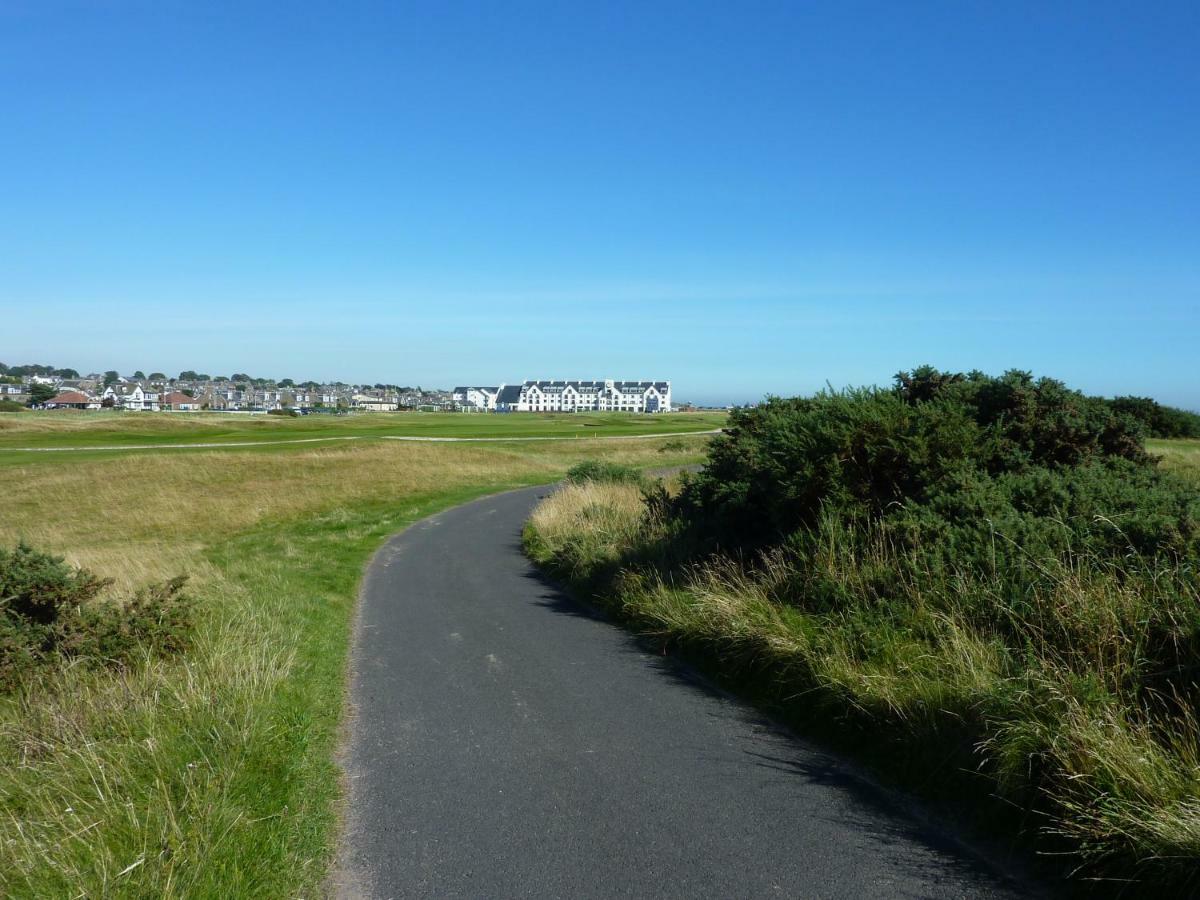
188 392
66 373
111 377
108 403
139 375
157 376
287 382
40 393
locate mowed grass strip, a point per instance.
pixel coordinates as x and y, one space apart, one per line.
214 774
74 428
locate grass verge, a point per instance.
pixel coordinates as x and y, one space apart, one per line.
1079 749
213 774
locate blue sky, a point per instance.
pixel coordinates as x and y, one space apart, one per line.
742 197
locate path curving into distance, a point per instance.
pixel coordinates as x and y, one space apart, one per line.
506 742
420 439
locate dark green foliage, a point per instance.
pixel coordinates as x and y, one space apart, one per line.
50 611
156 618
282 412
604 472
967 467
11 406
1158 420
40 393
26 371
39 589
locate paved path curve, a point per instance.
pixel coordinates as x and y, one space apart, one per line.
505 742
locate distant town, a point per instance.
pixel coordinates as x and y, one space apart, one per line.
47 387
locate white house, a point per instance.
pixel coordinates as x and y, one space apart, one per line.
131 396
586 396
375 404
473 399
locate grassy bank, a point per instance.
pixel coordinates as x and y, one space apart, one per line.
213 774
1032 660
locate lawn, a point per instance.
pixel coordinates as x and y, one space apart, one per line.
72 428
214 774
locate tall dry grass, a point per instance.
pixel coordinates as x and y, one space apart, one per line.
213 775
1060 702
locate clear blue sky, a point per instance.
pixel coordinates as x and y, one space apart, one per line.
742 197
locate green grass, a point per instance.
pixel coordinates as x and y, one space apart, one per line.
59 429
215 775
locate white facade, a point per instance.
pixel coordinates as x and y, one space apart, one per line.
132 396
586 396
476 399
374 404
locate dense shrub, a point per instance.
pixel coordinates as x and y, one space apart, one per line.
283 412
11 406
950 463
1158 420
51 611
604 472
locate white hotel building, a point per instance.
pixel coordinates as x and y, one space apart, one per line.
569 396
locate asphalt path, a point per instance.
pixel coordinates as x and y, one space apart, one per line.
505 741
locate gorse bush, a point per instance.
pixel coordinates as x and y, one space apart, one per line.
50 612
1158 420
986 574
970 470
604 472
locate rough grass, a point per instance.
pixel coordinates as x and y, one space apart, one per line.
214 775
1109 767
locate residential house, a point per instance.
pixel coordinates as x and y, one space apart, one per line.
178 400
374 404
73 400
132 396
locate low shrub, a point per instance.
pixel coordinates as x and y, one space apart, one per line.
50 611
604 472
1158 420
282 412
11 406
